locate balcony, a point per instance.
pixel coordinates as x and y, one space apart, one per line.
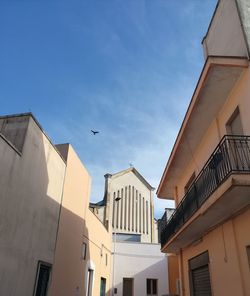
221 189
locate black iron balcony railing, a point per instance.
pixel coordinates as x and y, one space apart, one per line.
232 155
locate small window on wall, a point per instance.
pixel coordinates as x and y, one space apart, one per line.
234 125
84 251
248 255
90 280
189 183
106 259
103 287
128 287
151 287
42 279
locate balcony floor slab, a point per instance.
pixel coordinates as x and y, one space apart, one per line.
228 200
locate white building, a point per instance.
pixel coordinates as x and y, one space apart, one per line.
140 269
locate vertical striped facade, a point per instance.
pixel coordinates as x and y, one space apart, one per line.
130 200
131 214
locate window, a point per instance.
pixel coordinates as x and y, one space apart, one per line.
189 183
248 255
140 213
121 220
234 126
151 287
147 216
136 211
84 250
129 207
133 208
125 209
103 287
117 209
143 215
199 276
113 212
42 279
128 287
90 282
126 237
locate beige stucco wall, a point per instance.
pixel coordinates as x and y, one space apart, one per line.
68 269
239 96
225 36
226 244
31 189
173 274
98 241
244 11
79 225
229 268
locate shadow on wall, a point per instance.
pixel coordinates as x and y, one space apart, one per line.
33 241
83 242
31 181
72 254
78 264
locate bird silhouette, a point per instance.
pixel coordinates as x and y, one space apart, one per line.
94 132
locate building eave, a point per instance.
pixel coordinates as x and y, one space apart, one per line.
218 77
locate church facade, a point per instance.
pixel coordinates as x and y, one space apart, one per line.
138 266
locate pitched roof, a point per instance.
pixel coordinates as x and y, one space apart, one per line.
134 170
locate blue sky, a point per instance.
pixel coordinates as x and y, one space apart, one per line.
125 67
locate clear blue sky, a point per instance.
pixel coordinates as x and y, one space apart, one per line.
125 67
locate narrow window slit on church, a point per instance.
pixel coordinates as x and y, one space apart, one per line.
139 212
125 212
117 213
129 206
133 207
113 214
121 221
143 216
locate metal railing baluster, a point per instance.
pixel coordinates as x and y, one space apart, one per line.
232 154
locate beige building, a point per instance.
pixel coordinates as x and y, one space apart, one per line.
98 268
83 251
69 264
82 264
31 182
208 172
50 242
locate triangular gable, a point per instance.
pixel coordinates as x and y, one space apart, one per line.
137 174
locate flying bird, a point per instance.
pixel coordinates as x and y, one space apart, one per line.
94 132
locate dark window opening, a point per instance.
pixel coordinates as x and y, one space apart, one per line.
248 255
189 183
42 279
234 125
103 287
151 287
199 277
128 287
